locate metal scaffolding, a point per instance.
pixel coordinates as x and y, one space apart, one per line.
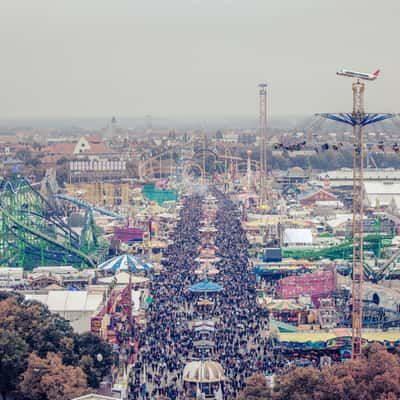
33 233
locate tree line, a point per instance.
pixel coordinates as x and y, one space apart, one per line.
374 376
41 358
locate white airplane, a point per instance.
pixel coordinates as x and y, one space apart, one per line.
359 75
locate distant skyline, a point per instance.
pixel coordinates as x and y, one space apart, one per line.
192 60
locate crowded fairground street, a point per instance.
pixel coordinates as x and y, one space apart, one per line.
170 340
183 213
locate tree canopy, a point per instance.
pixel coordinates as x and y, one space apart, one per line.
13 353
256 388
29 329
375 376
49 379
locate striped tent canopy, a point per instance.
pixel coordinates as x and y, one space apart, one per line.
124 262
283 305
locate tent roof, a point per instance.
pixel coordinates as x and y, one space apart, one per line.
283 305
206 286
65 300
297 236
125 262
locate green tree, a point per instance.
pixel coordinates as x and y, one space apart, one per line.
13 353
376 375
95 357
256 389
43 333
48 379
299 384
41 330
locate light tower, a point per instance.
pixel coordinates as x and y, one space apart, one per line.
263 142
358 119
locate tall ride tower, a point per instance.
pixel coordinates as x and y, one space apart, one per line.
263 142
358 119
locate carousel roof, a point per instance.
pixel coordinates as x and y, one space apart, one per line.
203 372
122 278
283 305
124 262
206 286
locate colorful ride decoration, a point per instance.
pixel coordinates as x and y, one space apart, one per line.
125 262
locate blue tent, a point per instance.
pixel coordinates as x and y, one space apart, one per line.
124 263
206 287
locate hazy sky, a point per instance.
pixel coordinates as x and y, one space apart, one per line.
180 58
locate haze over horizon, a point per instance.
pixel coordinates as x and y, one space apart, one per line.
186 59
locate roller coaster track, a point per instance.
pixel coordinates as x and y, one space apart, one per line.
32 232
70 249
345 250
143 166
386 268
88 206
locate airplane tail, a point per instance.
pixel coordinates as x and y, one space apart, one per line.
376 73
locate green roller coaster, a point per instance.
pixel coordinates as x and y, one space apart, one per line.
33 233
373 242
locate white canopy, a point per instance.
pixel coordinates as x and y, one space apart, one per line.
297 236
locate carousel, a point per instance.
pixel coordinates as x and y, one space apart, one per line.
285 310
205 287
203 379
204 331
210 202
125 262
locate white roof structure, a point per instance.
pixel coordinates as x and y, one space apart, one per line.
65 301
297 236
378 174
203 372
94 396
382 193
14 272
339 220
59 270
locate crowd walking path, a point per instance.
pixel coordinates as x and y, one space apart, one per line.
166 343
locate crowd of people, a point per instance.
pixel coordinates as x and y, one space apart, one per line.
166 342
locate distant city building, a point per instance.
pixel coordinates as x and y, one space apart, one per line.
247 138
230 137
